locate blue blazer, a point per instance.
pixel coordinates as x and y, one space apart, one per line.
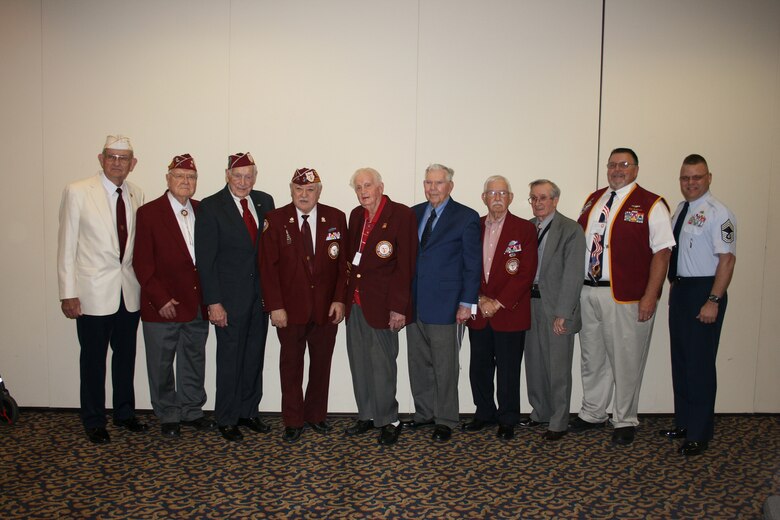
449 268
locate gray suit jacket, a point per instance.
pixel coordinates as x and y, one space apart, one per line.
561 274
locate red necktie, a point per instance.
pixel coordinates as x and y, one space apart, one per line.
308 246
121 224
249 220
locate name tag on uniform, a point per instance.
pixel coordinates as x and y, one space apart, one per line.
356 260
598 228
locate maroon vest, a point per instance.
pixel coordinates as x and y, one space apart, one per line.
629 242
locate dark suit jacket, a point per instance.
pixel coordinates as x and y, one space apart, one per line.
163 264
560 278
226 257
511 276
286 280
386 268
448 268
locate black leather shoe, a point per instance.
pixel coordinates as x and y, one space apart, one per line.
292 434
441 433
389 434
411 423
476 425
231 433
201 423
677 433
505 431
321 427
550 435
255 424
690 448
132 425
579 425
623 436
529 423
359 427
98 435
170 429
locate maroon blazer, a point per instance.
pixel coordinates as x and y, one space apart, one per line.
163 264
285 277
511 276
386 268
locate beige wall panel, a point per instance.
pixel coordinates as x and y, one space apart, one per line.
698 77
23 362
767 385
501 93
151 70
493 87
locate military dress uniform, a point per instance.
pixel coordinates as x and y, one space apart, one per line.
709 229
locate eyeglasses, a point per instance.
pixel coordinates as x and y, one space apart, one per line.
181 176
124 159
622 165
544 198
500 193
692 178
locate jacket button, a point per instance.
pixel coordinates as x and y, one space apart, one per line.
358 275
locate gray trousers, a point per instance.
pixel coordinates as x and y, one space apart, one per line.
434 368
548 359
180 397
614 346
372 360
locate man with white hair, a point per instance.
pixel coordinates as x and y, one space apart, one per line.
497 333
304 278
98 287
226 252
445 292
174 321
381 248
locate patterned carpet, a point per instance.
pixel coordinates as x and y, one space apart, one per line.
48 469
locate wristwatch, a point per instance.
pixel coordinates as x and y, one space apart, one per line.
714 299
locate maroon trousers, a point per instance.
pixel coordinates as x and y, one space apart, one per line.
313 408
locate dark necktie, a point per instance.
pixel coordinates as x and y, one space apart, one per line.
426 234
121 224
597 247
308 246
677 228
249 221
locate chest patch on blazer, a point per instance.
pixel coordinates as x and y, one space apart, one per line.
384 249
512 265
513 248
333 250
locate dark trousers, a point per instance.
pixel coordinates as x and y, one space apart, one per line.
500 354
240 357
95 334
694 347
293 339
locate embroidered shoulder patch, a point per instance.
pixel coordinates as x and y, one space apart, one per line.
727 232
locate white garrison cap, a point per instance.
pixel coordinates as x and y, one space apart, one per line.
118 142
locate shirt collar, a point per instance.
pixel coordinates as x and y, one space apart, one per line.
312 217
110 186
541 224
176 205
